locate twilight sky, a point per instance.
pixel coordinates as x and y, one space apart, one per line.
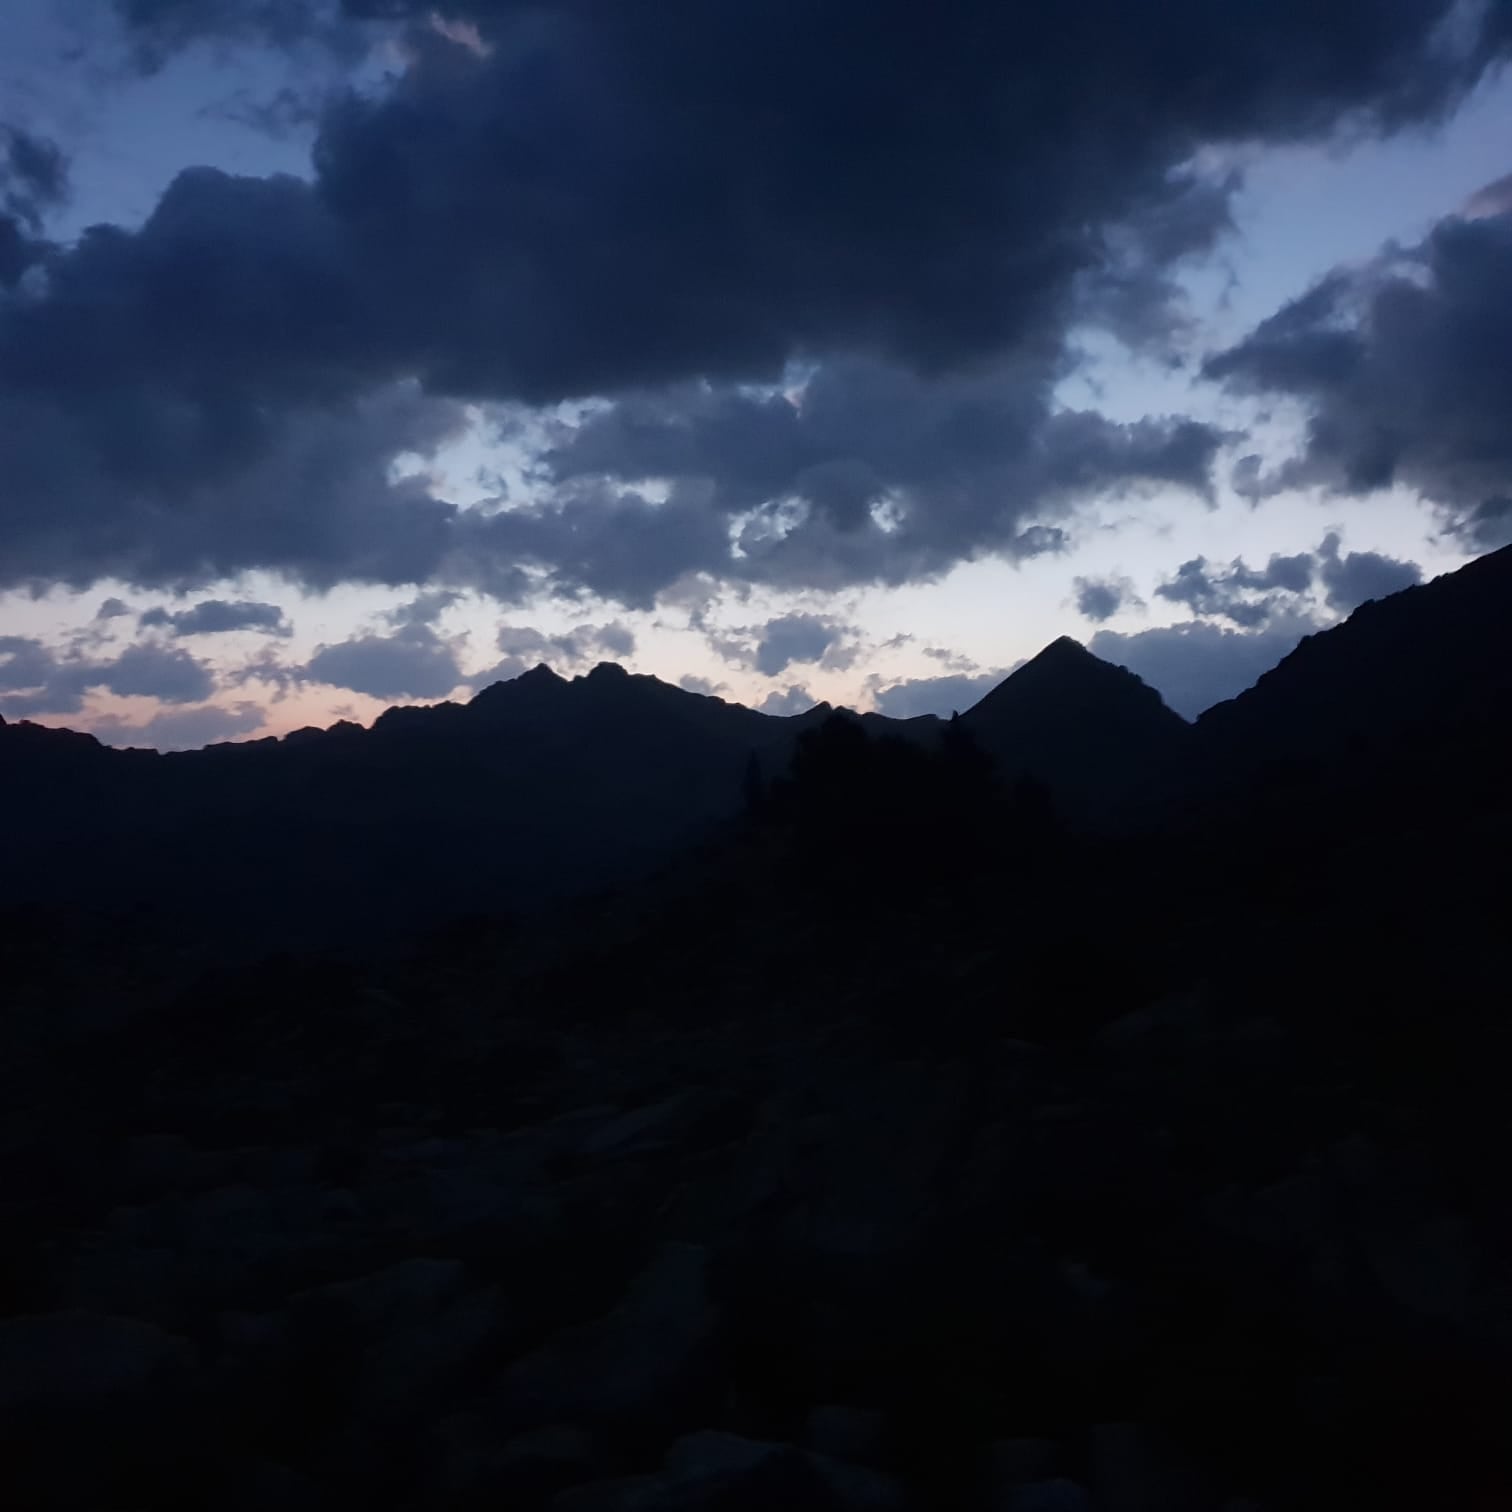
356 352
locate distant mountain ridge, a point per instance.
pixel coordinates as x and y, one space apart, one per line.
544 787
539 787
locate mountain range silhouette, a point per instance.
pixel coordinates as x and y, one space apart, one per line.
542 787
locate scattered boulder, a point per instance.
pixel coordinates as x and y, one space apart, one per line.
87 1400
853 1434
814 1479
521 1471
722 1472
645 1360
393 1298
1045 1496
1132 1471
416 1367
66 1362
1012 1463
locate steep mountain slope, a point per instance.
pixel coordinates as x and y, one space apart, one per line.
1428 657
1409 700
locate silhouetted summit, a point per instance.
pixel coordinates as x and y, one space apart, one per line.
1089 729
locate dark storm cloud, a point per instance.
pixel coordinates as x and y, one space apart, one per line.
33 179
161 28
1198 664
710 186
217 616
110 475
590 539
1246 596
34 679
1405 367
24 663
874 473
414 662
33 174
605 197
1353 578
1099 599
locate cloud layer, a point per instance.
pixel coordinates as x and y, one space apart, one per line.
891 222
1404 368
36 679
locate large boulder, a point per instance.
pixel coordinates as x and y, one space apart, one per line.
90 1404
854 1434
478 1469
74 1362
721 1472
648 1359
1044 1496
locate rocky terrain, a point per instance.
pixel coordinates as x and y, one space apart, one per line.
716 1199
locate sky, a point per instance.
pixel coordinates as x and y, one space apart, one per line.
359 352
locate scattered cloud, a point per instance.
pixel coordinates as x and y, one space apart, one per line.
35 679
218 616
935 695
1099 599
524 647
413 662
1245 596
154 672
183 729
804 639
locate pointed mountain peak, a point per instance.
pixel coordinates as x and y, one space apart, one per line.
1064 670
1085 726
540 683
539 675
1064 648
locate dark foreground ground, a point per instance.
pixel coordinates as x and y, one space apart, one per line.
781 1185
